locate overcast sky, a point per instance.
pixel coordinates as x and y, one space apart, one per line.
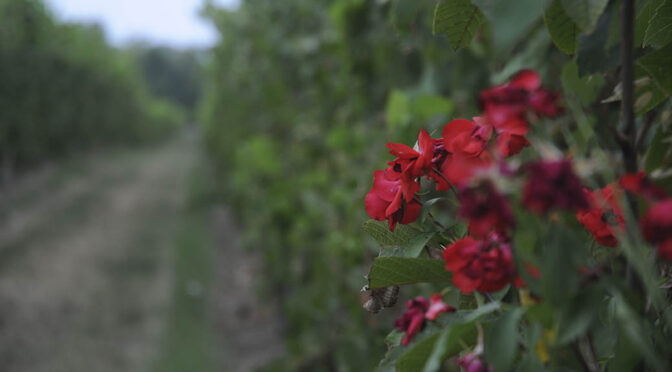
172 22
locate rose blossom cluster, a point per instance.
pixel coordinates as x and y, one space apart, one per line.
465 147
604 216
466 158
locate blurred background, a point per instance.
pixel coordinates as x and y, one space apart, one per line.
182 182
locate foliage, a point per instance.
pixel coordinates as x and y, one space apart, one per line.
64 89
303 95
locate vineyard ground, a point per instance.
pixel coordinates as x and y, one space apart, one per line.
115 263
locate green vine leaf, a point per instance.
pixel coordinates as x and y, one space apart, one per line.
564 32
459 20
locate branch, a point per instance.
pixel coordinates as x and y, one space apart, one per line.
627 127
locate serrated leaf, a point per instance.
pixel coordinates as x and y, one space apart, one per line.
388 271
564 32
412 248
386 238
659 30
501 340
585 12
417 244
459 20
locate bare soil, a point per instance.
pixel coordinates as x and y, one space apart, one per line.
86 268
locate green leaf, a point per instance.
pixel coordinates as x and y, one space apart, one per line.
657 66
577 317
501 340
585 12
660 150
411 249
593 56
510 20
638 336
450 343
398 109
381 233
459 20
562 252
586 88
427 106
417 244
460 330
564 32
388 271
530 363
414 359
645 11
659 31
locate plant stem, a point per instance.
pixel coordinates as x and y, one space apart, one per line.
627 81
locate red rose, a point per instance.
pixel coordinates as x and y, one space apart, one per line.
484 265
410 162
437 306
553 184
657 227
603 215
413 319
505 107
467 147
486 209
513 99
386 201
638 184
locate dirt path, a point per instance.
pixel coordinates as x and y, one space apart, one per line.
85 263
93 273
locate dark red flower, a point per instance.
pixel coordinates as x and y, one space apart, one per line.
437 306
411 162
413 319
513 99
505 107
603 215
386 201
486 209
553 184
466 144
657 227
639 184
473 363
484 265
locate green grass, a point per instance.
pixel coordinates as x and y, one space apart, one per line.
190 340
